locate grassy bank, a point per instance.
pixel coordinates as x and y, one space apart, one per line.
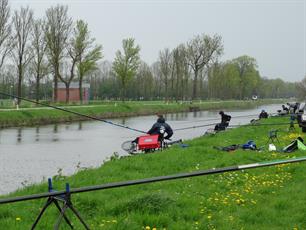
263 198
42 115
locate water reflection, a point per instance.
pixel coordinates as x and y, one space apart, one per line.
19 135
80 125
123 120
55 128
37 134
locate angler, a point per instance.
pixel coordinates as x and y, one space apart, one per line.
158 137
225 119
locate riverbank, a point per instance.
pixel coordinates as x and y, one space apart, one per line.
43 115
263 198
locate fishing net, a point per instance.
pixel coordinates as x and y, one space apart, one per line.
129 146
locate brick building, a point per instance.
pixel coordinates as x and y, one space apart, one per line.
74 93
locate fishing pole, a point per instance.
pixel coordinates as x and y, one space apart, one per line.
216 119
212 124
73 112
240 116
152 180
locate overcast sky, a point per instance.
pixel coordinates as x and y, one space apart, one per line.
273 32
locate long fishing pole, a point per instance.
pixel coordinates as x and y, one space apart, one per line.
216 119
212 124
153 179
233 117
72 112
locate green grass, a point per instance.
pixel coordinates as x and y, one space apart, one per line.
263 198
41 115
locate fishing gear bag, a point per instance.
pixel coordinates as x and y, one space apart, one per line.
149 142
249 145
229 148
297 144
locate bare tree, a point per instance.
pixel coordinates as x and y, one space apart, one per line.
73 51
180 63
201 50
39 66
57 30
5 30
166 65
21 52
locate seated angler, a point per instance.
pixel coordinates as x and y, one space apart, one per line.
263 114
161 128
225 119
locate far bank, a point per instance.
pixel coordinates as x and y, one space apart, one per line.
32 116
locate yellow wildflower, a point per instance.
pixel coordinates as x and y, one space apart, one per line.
18 219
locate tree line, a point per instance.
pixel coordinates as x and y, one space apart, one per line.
35 54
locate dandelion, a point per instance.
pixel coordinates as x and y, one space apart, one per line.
18 219
148 228
154 228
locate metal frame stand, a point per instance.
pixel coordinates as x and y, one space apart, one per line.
292 119
67 204
291 127
273 136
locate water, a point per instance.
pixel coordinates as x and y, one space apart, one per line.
30 155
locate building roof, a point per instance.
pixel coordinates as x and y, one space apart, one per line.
73 85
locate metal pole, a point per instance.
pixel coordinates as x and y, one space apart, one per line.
153 179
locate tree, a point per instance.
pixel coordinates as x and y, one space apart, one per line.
166 65
89 53
144 83
74 52
248 75
181 71
21 52
202 50
126 64
57 30
39 66
5 30
301 87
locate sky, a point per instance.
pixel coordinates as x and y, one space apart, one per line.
271 31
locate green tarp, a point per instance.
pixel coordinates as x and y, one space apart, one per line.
301 145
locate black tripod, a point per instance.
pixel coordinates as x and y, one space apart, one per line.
273 136
67 204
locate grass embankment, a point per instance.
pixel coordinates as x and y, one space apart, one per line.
263 198
41 115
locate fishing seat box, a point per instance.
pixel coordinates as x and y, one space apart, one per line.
148 142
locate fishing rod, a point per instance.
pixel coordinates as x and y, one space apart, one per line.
216 119
212 124
240 116
152 180
72 112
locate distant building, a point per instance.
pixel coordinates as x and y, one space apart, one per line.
74 93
